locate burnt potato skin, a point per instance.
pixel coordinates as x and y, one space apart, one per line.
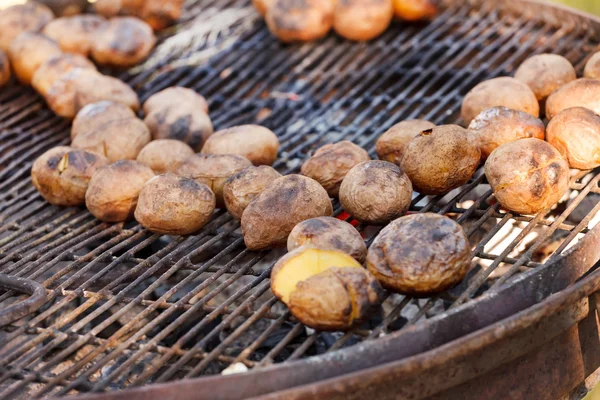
95 115
583 92
4 68
271 216
420 255
575 133
243 186
180 123
362 19
172 205
257 143
390 146
504 91
544 73
441 159
330 164
592 67
328 233
181 96
527 175
124 42
75 34
414 10
499 125
113 191
164 155
376 192
55 67
116 140
28 51
212 170
299 20
61 175
28 17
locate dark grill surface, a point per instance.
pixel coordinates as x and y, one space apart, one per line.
126 307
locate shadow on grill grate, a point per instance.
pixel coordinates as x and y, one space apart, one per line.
127 307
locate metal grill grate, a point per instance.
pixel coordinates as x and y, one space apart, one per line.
126 307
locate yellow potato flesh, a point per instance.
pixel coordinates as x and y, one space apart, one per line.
307 264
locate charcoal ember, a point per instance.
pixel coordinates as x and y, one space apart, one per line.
126 378
549 246
246 338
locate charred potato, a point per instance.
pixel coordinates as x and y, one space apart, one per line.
306 20
212 170
508 92
271 216
328 233
362 19
28 51
28 17
124 42
57 66
499 125
62 174
414 10
420 255
95 115
325 289
164 155
116 140
172 205
243 186
527 175
160 14
4 68
113 191
575 133
181 96
390 146
257 143
441 159
262 6
582 92
75 34
376 192
544 73
330 164
592 67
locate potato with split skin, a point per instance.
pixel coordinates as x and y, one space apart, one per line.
172 205
328 233
164 155
212 170
498 125
508 92
116 140
243 186
176 96
303 20
28 52
582 92
113 191
592 67
544 73
61 175
28 17
124 42
4 68
362 19
330 164
271 216
95 115
441 159
257 143
376 192
414 10
75 34
575 133
527 175
390 146
420 255
53 69
325 289
262 6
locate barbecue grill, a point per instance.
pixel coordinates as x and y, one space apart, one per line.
92 307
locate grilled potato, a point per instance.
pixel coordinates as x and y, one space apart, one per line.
4 68
420 255
75 34
257 143
28 17
64 8
362 19
57 66
325 289
544 73
124 42
262 6
414 10
582 92
95 115
159 14
592 67
164 155
390 146
243 186
181 96
292 21
28 52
